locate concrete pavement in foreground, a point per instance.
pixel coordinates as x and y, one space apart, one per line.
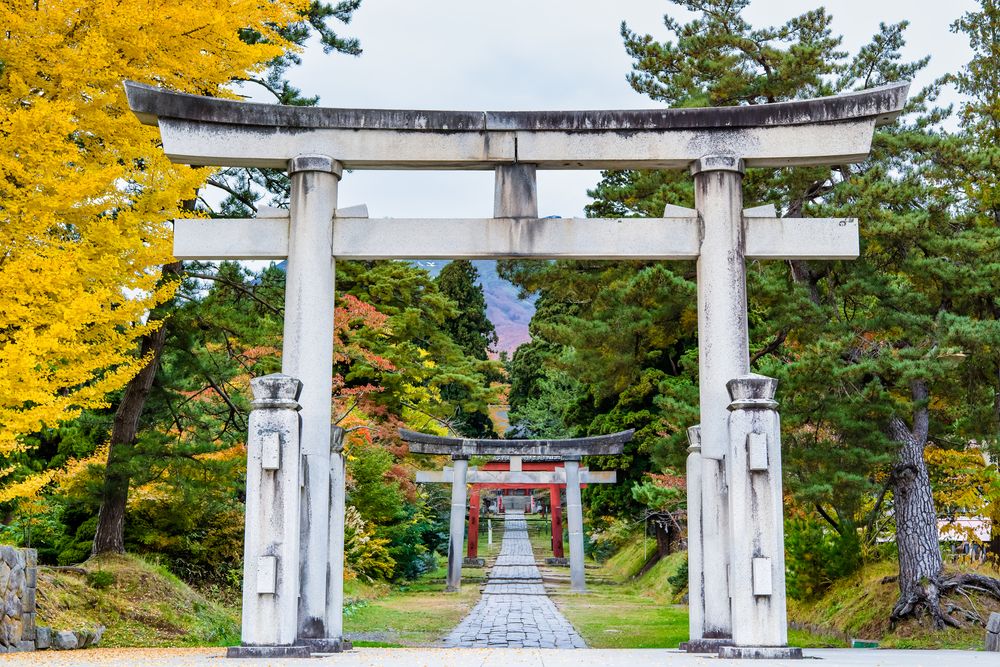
486 657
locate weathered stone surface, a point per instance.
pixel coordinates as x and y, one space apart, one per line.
268 652
760 653
64 640
10 631
12 603
17 580
422 443
324 646
993 632
210 131
84 637
28 625
271 545
705 645
43 637
757 567
28 599
4 576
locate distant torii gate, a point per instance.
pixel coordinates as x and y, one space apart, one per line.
316 145
569 451
514 473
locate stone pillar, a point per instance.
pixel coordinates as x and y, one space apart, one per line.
334 642
307 354
574 515
555 496
472 559
723 354
515 191
696 563
457 525
271 545
755 508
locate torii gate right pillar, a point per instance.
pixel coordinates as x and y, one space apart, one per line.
723 354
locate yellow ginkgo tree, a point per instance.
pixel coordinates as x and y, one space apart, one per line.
85 190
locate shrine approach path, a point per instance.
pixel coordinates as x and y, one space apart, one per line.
515 611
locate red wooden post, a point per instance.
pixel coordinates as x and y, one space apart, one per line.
556 504
474 523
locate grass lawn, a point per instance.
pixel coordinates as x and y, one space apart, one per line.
619 616
417 614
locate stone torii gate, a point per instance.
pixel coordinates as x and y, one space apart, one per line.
570 451
316 144
514 477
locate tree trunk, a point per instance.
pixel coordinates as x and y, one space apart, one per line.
920 562
664 538
110 535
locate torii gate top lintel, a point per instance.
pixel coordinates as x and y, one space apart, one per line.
211 131
422 443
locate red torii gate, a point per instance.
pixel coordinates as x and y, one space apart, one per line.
555 500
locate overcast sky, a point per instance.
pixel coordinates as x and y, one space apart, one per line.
541 54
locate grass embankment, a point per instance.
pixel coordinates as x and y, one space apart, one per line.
140 604
858 606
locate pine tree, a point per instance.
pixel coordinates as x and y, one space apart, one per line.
865 349
470 327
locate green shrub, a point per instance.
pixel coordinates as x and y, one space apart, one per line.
816 556
100 579
679 580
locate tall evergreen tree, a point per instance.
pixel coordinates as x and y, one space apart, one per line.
469 327
863 349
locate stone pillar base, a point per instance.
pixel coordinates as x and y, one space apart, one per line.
760 652
268 652
473 562
327 645
557 562
705 644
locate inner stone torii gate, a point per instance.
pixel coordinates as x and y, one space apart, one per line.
316 144
570 475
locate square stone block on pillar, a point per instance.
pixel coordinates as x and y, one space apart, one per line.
757 576
271 543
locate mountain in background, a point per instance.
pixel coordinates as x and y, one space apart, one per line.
508 313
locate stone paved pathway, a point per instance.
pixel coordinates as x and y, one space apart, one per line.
515 611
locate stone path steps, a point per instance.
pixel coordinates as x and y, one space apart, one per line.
515 611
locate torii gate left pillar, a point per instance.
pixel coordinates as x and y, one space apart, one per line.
307 354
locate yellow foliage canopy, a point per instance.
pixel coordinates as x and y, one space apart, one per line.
85 191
